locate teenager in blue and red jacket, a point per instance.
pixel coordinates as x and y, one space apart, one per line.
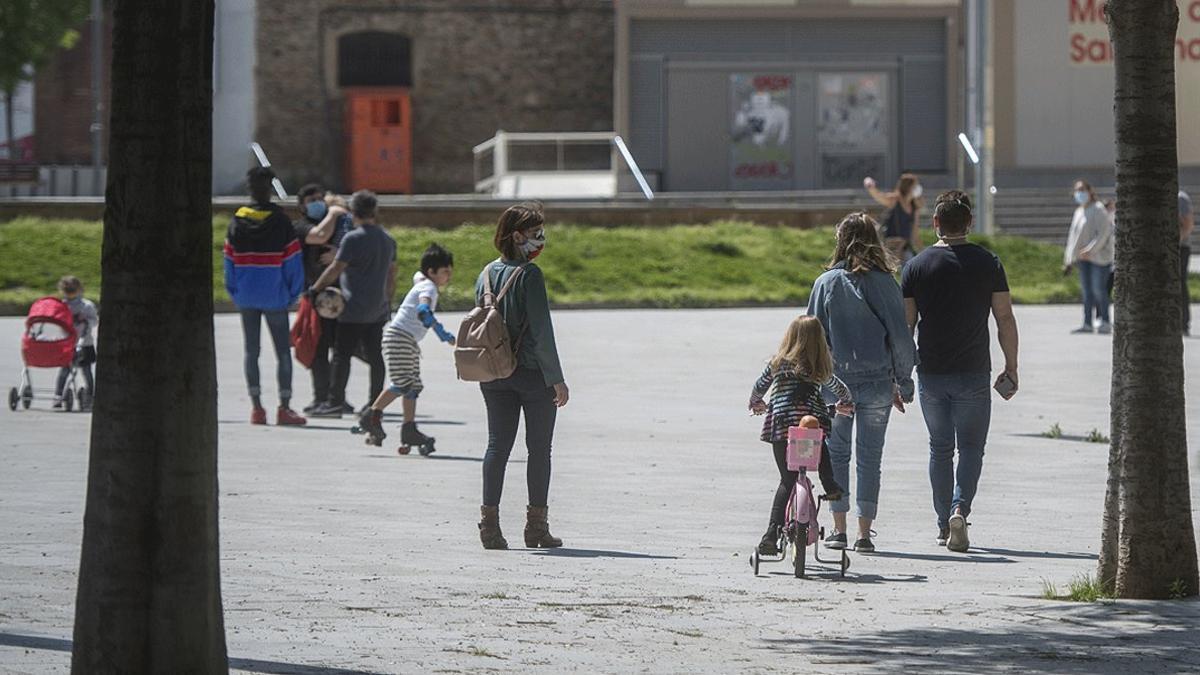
264 274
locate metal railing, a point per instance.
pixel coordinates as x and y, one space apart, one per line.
580 153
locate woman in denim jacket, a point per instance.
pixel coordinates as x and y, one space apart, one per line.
859 304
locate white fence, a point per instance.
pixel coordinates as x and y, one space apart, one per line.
60 181
548 165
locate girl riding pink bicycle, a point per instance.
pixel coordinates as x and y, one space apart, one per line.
798 371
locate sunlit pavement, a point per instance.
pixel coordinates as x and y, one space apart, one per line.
340 557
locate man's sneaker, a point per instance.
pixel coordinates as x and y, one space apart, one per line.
1085 328
958 542
311 407
286 417
864 545
1105 328
943 535
349 409
836 541
327 410
258 416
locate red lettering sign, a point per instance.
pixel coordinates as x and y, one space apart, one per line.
772 82
1087 11
1193 11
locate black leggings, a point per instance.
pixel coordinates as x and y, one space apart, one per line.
505 399
365 339
787 479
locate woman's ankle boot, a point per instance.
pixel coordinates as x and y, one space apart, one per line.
537 530
489 528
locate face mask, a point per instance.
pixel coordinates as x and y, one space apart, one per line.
533 244
316 210
918 191
1081 197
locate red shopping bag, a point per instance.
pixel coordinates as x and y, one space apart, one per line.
306 332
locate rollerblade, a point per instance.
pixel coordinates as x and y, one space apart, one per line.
370 422
410 437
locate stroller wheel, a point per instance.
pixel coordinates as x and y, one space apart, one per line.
14 397
68 400
27 397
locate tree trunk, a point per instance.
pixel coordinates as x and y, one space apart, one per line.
1151 531
149 596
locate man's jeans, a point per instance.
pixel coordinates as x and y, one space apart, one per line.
277 325
955 406
872 407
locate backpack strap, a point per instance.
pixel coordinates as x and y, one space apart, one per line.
489 297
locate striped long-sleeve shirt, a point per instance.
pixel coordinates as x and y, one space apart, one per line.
794 397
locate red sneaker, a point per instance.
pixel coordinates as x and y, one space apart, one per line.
258 416
286 417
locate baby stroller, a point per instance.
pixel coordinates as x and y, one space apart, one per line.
48 342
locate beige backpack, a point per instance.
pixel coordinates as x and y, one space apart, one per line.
483 350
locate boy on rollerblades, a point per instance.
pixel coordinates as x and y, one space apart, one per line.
410 324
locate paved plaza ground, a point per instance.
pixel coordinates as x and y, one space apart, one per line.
343 558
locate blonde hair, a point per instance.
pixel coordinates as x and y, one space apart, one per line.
804 350
859 247
334 199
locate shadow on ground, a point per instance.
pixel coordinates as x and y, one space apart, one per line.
1121 637
250 665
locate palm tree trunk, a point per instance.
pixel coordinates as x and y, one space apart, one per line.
149 589
1151 532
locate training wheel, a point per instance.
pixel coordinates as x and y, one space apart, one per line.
754 560
845 564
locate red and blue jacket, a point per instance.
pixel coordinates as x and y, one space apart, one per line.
263 265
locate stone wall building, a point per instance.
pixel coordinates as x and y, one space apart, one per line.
474 67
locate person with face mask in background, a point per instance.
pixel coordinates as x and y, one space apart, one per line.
1090 249
901 220
320 229
537 387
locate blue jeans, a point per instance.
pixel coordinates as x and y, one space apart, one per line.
872 407
1093 279
277 324
957 407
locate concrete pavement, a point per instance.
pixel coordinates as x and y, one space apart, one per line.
339 557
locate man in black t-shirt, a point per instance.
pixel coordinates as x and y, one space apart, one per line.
949 291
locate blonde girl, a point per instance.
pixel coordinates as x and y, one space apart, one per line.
798 371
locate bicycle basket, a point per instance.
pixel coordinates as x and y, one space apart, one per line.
804 448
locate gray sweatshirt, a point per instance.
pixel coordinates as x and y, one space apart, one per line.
1091 232
83 311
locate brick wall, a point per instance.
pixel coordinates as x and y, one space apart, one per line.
477 66
62 105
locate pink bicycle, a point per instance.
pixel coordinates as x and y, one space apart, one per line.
800 528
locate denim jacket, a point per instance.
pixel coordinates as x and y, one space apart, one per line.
863 317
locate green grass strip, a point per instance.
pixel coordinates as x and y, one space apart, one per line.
716 265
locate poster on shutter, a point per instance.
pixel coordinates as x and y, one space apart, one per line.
760 144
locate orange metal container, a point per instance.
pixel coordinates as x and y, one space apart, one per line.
379 140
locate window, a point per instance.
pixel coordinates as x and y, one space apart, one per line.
374 59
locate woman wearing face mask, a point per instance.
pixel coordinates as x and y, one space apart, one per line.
901 220
537 387
320 229
1090 248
